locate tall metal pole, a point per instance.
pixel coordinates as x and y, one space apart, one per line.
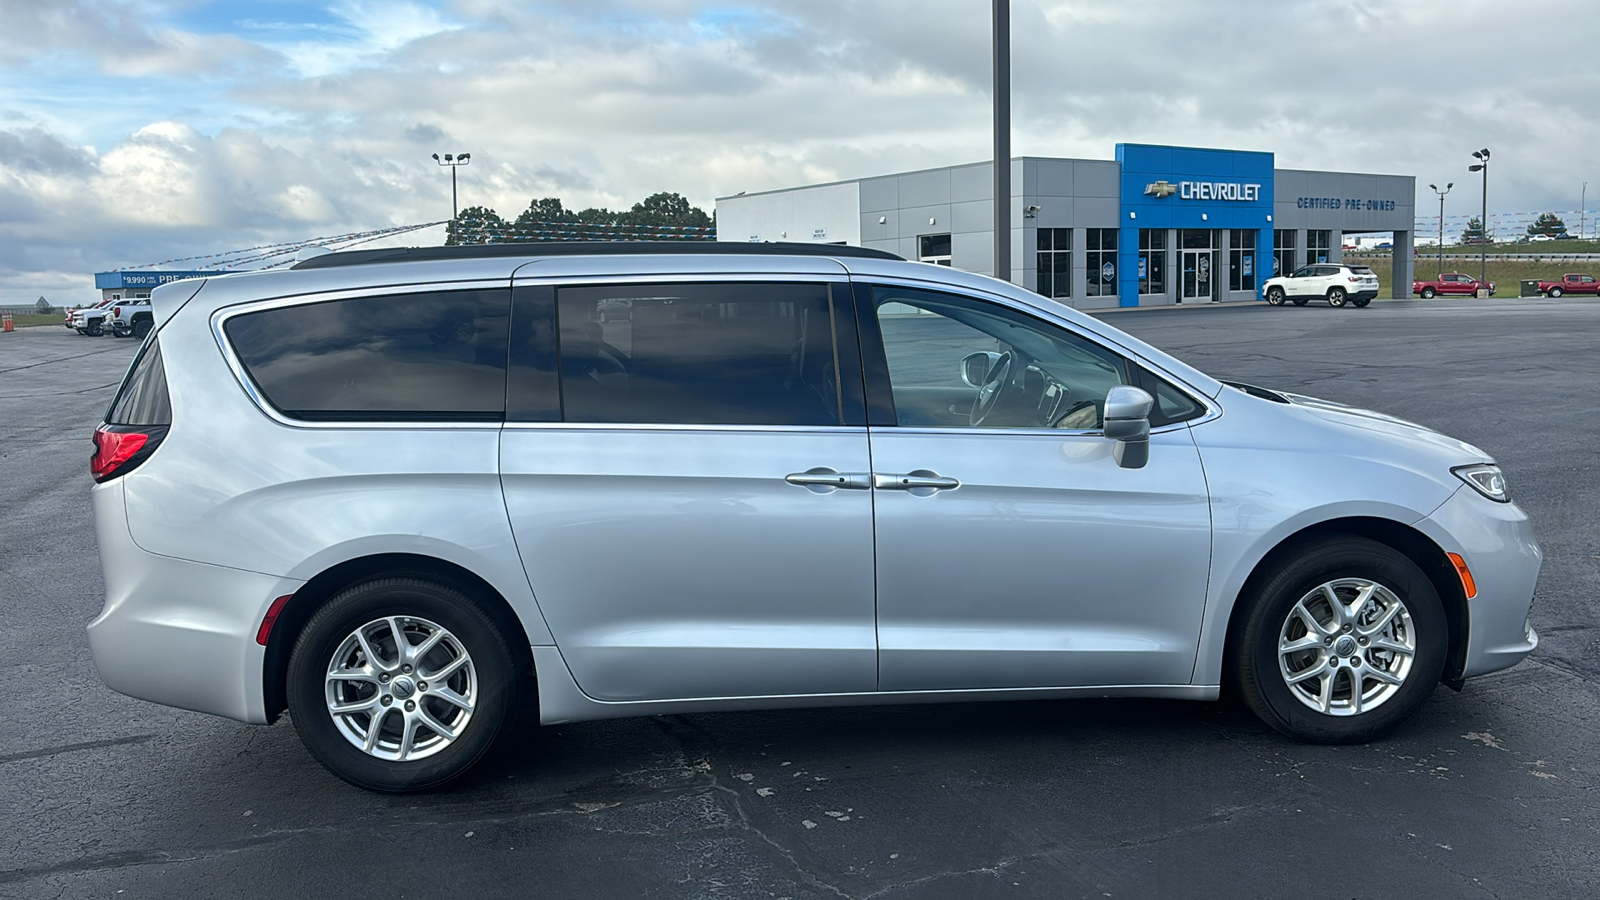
1002 139
1583 207
1483 223
453 161
1441 194
455 208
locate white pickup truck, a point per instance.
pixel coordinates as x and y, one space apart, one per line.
131 317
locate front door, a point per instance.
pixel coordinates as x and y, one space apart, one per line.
693 507
1197 276
1012 551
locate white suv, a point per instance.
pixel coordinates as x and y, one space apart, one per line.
789 475
1337 283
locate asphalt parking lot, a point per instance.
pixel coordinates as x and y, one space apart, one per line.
1491 792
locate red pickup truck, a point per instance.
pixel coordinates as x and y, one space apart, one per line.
1570 284
1450 283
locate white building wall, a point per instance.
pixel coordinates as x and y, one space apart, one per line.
824 214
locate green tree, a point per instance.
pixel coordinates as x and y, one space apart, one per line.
1474 233
477 225
1548 223
667 209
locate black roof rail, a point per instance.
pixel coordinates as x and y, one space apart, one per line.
586 248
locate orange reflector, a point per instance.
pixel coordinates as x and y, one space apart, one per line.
1467 584
271 618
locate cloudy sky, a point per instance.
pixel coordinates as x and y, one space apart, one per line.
138 131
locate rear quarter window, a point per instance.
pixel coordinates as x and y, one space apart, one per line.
435 356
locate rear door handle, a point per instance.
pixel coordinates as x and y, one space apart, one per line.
822 480
920 482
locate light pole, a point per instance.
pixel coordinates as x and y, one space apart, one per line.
1483 223
1583 207
1002 139
1441 194
453 161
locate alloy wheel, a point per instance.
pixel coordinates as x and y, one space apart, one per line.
1347 647
401 688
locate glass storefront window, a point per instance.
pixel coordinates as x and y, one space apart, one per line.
934 248
1318 244
1283 242
1241 260
1055 262
1101 259
1152 260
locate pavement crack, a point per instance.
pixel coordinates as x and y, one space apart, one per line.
73 748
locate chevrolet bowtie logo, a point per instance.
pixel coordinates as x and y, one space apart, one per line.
1160 189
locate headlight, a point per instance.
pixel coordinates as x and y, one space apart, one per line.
1486 479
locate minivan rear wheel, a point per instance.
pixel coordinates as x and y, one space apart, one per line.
401 684
1341 643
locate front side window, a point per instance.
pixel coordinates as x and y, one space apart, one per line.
1101 259
435 356
700 354
961 362
1055 262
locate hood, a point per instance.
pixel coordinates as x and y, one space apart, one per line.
1369 420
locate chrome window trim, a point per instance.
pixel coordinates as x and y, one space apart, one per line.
600 281
220 317
1212 409
633 426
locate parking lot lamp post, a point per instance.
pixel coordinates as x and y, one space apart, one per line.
1583 207
1441 194
453 161
1483 223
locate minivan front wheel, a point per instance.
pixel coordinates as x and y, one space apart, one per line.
1342 643
401 684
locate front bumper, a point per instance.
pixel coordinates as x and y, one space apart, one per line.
1496 540
176 632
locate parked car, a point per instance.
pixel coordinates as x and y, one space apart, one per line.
1450 283
1338 283
401 534
1570 284
88 320
132 318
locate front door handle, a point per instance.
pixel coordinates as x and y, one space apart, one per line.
921 482
822 480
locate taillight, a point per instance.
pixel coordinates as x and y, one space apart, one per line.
118 449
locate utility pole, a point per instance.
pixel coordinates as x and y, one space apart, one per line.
1002 139
1441 194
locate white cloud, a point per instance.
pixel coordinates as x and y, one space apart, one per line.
130 134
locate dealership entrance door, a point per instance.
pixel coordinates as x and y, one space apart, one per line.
1198 247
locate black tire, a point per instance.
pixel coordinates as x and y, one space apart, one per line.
1336 297
94 329
1555 292
1259 674
494 667
1275 296
1362 303
1427 293
141 328
1301 301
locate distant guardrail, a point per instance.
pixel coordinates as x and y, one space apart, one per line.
1534 257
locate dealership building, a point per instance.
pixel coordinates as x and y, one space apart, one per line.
137 285
1156 226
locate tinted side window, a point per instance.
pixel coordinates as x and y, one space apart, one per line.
143 399
700 354
414 357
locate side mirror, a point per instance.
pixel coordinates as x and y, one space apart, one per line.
1127 422
975 367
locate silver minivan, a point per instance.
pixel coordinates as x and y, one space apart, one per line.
408 494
